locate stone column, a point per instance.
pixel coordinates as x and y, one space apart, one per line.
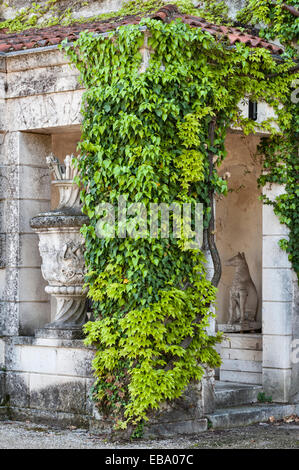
294 393
25 190
278 298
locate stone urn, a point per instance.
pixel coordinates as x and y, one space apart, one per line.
61 247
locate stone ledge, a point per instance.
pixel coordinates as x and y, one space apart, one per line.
50 342
190 427
51 418
62 334
253 378
236 328
245 415
243 341
173 429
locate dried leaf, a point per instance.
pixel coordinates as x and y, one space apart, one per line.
289 419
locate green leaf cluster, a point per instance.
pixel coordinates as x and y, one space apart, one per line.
273 20
146 135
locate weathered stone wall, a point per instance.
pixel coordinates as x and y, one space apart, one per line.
279 306
2 186
23 291
235 6
41 93
47 380
94 7
44 381
294 393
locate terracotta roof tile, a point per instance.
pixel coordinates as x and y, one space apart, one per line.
4 47
53 35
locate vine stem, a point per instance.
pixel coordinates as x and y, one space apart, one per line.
288 8
291 9
208 242
211 228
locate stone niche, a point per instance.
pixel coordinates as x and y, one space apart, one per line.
239 229
61 246
239 218
45 379
63 144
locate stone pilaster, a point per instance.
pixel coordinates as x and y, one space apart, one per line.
25 190
278 304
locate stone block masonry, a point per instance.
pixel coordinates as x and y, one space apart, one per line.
242 358
47 380
280 312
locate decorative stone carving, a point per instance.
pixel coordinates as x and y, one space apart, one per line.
69 192
243 300
61 247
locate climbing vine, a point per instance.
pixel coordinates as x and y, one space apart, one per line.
150 132
276 19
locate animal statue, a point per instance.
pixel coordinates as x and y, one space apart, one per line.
243 298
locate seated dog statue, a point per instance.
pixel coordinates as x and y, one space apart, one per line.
243 298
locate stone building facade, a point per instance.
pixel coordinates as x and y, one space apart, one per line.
49 378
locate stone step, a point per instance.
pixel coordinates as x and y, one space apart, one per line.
229 394
225 418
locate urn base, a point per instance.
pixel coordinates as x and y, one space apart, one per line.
62 332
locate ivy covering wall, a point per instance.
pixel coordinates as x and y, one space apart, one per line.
152 136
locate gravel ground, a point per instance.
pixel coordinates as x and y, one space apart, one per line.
26 435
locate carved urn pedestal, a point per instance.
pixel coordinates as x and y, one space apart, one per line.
61 247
